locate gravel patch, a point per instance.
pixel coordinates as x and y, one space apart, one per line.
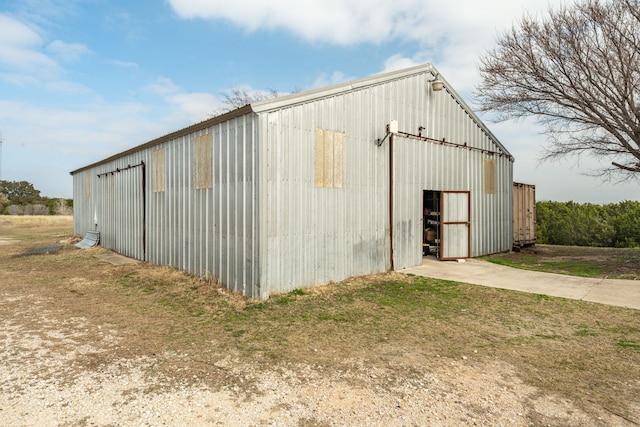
44 381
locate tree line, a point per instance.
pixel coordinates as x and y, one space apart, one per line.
576 224
21 198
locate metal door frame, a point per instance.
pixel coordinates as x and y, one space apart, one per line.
443 223
110 209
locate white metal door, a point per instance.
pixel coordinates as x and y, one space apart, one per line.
456 228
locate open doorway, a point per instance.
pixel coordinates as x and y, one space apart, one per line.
446 224
431 223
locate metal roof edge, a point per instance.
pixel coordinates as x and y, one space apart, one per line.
184 131
302 97
473 115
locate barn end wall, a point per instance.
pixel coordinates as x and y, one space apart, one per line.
450 168
313 234
207 228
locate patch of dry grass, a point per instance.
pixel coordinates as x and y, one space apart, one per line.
615 263
33 229
35 220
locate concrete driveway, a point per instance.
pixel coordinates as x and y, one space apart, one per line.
618 292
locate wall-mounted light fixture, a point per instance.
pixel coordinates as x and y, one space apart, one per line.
392 127
436 84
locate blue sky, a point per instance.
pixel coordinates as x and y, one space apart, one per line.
84 79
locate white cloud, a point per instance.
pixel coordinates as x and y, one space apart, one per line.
334 21
67 86
326 79
191 106
398 62
124 64
450 34
18 79
20 47
354 21
163 86
16 33
197 105
67 51
86 133
453 35
58 140
26 61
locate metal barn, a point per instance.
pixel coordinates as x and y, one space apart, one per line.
357 178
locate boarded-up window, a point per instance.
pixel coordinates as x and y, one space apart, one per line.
329 164
202 161
489 176
87 184
158 171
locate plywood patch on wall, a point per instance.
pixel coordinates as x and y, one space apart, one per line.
158 170
203 161
490 177
329 159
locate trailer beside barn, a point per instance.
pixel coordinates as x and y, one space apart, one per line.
524 214
309 188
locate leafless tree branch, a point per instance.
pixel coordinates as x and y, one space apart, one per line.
235 98
577 70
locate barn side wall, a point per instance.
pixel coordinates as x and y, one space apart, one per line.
209 228
313 235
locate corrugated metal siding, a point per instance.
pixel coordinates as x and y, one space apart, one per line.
315 235
211 231
208 232
110 199
265 224
120 210
426 165
83 206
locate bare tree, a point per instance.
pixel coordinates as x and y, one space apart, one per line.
577 70
237 98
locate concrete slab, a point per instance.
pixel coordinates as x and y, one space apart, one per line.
622 293
115 259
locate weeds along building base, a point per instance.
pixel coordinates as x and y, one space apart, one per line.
309 188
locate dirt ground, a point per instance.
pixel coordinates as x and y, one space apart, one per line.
612 263
89 342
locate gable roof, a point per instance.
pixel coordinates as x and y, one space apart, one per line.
303 97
